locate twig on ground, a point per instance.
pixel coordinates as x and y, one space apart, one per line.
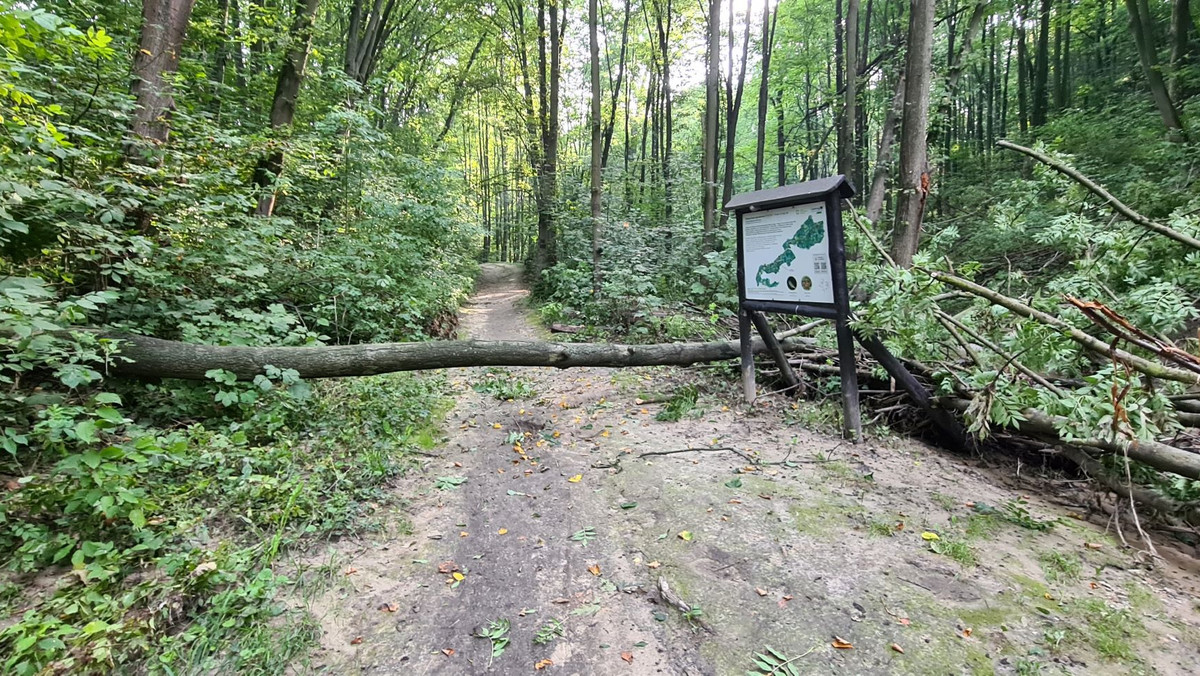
702 450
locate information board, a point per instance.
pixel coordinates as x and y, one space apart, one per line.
786 254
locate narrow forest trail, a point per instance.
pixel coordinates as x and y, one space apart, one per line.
814 542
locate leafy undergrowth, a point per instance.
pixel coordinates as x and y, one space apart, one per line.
152 549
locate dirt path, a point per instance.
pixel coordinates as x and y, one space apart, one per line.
793 540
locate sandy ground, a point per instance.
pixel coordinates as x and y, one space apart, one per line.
794 540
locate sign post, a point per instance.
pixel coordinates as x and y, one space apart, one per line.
791 257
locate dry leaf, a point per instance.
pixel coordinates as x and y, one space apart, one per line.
841 643
929 537
897 648
760 591
1092 545
594 569
966 632
458 577
899 525
627 656
685 535
356 640
389 607
735 501
448 651
653 564
497 426
576 479
462 534
561 600
351 571
502 531
542 664
764 496
905 621
458 464
447 567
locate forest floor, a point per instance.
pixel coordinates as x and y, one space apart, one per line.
820 549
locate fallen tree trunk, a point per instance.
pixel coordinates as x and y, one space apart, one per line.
1153 453
157 358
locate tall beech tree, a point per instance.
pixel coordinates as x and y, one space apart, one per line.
914 165
164 23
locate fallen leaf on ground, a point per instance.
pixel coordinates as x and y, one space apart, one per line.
356 640
685 535
966 632
351 571
458 577
542 664
497 426
458 464
594 569
929 537
897 648
735 502
628 657
447 567
899 525
502 531
576 479
905 621
841 643
447 651
764 496
653 564
462 534
1092 545
561 600
760 591
389 607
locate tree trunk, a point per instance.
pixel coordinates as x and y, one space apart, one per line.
1141 23
846 150
1181 43
156 358
780 140
597 142
549 77
1041 67
733 110
770 20
914 174
164 23
616 92
283 108
883 158
711 111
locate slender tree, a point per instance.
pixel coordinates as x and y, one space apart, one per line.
914 171
597 142
711 112
283 106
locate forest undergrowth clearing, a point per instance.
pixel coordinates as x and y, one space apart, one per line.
544 531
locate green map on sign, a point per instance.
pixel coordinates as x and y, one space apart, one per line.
809 235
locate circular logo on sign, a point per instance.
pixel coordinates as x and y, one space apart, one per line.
806 283
791 282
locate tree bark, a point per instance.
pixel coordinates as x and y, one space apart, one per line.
283 107
597 142
164 23
156 358
1141 23
616 91
711 111
733 110
1181 43
914 174
846 149
883 157
1041 67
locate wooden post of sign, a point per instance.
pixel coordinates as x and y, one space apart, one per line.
775 350
847 361
747 355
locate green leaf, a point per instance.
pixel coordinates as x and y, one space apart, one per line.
85 431
138 518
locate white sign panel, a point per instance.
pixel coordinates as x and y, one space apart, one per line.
787 254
